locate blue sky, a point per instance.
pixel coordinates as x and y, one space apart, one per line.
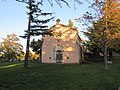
13 16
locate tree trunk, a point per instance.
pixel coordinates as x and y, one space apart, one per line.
28 36
105 56
105 35
27 47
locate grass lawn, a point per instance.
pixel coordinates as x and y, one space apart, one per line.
89 76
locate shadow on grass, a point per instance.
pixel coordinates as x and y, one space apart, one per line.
89 76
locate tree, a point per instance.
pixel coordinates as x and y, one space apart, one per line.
103 25
70 23
95 41
110 25
37 47
21 55
33 56
10 47
115 45
36 26
1 49
34 10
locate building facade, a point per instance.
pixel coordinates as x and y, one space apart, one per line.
63 46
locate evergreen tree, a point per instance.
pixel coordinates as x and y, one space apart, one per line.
39 19
36 25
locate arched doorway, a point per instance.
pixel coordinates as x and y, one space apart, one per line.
59 56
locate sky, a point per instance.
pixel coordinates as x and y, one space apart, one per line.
14 18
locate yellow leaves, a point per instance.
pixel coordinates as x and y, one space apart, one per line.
116 36
113 11
70 23
12 37
11 47
112 20
33 56
114 40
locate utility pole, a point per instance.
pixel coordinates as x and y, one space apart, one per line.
105 35
28 35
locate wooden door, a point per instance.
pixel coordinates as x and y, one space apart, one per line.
59 56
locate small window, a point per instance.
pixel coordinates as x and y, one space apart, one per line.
67 57
49 57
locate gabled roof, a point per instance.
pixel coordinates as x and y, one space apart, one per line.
59 25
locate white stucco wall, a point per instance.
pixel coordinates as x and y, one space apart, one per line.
67 44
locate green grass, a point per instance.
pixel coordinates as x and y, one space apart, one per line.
89 76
